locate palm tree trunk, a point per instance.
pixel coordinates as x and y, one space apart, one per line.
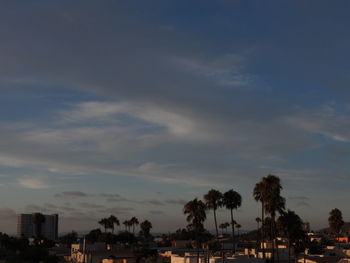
275 233
257 238
197 240
288 250
233 233
262 229
216 224
273 240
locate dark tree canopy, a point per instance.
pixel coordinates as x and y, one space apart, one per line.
335 220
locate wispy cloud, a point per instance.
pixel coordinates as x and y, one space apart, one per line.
7 213
32 183
72 194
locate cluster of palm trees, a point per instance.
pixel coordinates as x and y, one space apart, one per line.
109 223
224 226
131 223
214 199
268 193
112 221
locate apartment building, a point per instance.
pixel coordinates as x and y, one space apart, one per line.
35 225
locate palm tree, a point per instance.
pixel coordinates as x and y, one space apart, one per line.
126 224
113 221
213 200
232 200
258 221
134 222
129 225
105 223
195 211
267 191
146 228
335 220
38 219
259 193
292 227
274 203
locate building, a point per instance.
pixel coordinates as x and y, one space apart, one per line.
98 252
28 225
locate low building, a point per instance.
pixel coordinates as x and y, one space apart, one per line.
192 258
319 259
98 252
181 243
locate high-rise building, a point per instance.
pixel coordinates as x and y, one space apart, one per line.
36 225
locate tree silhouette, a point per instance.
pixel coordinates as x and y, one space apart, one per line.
274 203
267 191
134 222
113 220
105 223
335 220
232 200
223 226
126 224
213 200
258 221
146 227
292 227
195 211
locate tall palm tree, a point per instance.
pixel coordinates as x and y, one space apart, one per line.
259 193
195 211
267 191
213 200
113 220
232 200
134 222
274 203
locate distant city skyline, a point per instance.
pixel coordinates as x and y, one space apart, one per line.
133 108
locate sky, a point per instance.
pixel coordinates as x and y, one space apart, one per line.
133 108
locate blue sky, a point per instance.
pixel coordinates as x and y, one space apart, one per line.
135 107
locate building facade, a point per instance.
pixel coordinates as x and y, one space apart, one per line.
28 225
